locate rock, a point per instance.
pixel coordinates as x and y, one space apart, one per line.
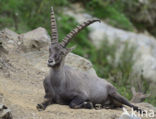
5 113
80 63
8 40
35 39
145 45
142 12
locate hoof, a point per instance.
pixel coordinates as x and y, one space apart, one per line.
98 106
138 110
88 105
40 107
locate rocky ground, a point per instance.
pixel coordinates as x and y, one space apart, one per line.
22 71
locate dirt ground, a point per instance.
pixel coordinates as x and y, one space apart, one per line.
21 86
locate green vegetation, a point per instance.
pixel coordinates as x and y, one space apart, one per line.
22 16
111 12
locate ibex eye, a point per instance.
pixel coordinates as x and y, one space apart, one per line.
56 48
55 56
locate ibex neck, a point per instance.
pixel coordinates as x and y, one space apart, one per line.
58 67
57 73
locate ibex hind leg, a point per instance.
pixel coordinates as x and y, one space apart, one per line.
116 96
113 105
110 103
48 97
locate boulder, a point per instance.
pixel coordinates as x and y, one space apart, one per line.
8 40
35 39
80 63
5 113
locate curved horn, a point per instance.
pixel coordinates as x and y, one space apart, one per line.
54 32
75 31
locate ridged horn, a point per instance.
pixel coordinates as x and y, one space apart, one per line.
75 31
54 32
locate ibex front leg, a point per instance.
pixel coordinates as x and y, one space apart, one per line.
44 104
79 102
48 96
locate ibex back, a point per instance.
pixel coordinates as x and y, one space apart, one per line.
78 89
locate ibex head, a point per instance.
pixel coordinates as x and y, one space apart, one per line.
58 51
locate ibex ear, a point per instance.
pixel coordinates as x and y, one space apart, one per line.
68 50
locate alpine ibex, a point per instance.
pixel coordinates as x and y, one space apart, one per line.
78 89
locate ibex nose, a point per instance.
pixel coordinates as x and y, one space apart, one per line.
51 62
